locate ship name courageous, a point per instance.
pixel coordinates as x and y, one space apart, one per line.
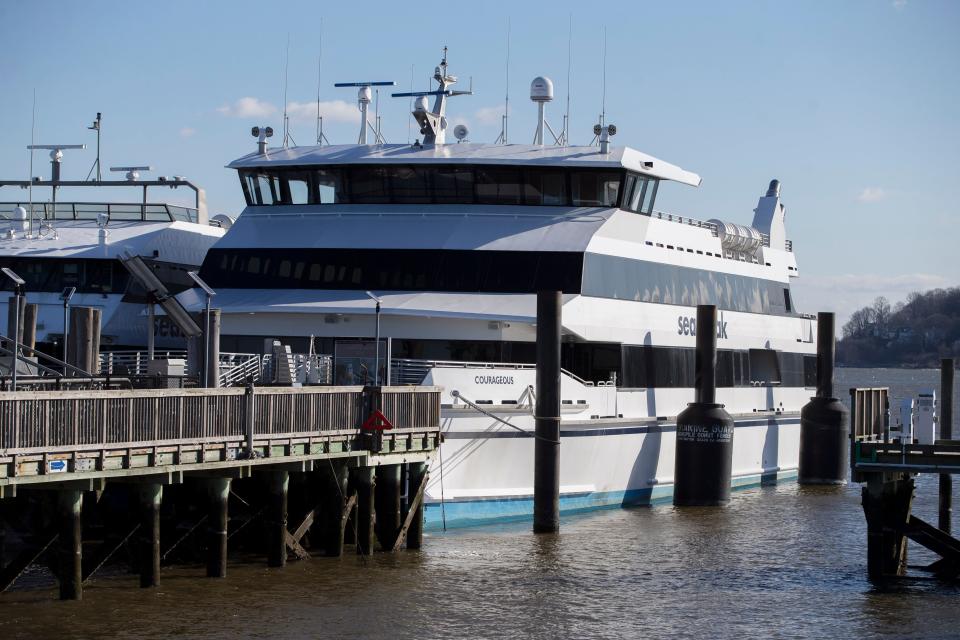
493 379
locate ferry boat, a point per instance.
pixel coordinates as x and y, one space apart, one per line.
58 244
442 246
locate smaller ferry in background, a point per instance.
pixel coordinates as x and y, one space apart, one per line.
56 244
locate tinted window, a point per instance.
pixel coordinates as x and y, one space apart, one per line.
496 185
594 188
368 185
452 185
545 187
409 184
396 269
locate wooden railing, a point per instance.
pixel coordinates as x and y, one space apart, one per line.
69 421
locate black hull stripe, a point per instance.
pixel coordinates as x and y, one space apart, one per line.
602 431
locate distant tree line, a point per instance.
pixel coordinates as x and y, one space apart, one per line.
914 333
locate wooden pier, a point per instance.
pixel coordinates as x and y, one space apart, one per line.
887 469
73 462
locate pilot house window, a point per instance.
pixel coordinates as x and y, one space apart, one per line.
449 184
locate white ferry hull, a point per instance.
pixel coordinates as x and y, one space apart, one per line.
484 469
475 480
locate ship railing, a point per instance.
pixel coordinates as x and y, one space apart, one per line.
134 363
240 368
115 211
307 368
693 222
413 371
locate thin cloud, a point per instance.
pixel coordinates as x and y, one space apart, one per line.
488 115
248 107
187 132
331 110
872 194
899 4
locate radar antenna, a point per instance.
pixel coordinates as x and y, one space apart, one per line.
364 98
433 124
56 155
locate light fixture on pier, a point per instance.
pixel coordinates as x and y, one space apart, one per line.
66 295
376 370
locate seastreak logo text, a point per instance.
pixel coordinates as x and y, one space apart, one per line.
687 326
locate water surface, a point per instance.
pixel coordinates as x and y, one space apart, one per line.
780 561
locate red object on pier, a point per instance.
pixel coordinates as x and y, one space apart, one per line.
376 422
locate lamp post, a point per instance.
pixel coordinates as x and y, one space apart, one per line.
206 328
66 295
18 284
376 370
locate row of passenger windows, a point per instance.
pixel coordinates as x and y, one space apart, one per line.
420 184
394 269
48 274
646 366
91 275
591 274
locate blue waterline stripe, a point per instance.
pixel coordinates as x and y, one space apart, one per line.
467 513
601 431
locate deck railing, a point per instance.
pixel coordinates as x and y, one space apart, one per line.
56 422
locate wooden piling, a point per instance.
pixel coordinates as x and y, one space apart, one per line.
211 359
546 457
150 496
278 484
218 494
887 500
333 505
28 331
945 511
70 544
365 483
387 505
12 320
417 473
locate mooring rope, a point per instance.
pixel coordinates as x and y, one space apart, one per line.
476 407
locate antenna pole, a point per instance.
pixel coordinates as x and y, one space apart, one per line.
506 101
286 75
96 163
603 99
33 130
319 70
565 136
410 109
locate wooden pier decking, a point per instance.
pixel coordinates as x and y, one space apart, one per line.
67 443
887 469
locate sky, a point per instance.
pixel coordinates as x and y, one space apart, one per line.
851 105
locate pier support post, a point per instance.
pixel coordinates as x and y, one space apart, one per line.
150 495
218 495
824 421
278 483
887 500
84 349
365 483
387 505
546 457
70 544
335 497
946 433
15 321
211 359
415 533
29 331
